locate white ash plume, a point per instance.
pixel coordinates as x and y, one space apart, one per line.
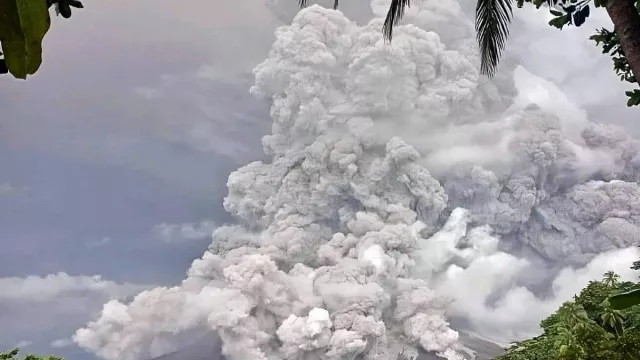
344 250
323 271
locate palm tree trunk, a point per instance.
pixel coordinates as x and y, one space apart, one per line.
626 20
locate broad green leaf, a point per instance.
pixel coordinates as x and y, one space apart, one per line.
560 21
634 100
23 25
625 300
580 16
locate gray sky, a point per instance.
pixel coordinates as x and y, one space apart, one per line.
115 155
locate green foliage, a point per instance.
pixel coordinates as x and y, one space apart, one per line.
629 294
63 7
634 97
23 26
12 355
587 328
625 300
613 320
9 355
592 298
629 343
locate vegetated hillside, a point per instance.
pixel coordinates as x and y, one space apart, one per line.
587 328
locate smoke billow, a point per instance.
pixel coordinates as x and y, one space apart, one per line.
403 191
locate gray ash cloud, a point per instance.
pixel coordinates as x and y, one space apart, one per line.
397 181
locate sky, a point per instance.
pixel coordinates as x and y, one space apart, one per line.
115 155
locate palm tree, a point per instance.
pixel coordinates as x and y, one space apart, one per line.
575 315
565 341
613 319
611 279
493 18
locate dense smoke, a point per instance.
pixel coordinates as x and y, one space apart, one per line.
403 191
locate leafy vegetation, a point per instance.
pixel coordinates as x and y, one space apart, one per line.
629 298
12 355
587 328
23 26
625 300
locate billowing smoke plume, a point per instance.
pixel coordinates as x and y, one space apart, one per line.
403 191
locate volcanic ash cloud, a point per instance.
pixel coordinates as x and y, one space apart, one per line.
347 246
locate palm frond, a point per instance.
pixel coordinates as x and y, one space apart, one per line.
493 18
395 13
